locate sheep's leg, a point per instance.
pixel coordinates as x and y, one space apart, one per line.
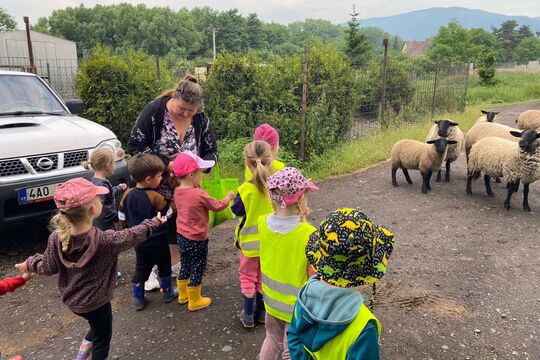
510 188
428 186
516 186
469 184
447 174
438 179
424 183
394 181
498 180
487 179
526 197
407 177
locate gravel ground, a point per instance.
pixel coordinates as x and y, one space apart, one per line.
463 281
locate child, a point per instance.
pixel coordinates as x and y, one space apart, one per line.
269 135
193 204
138 204
102 161
331 321
85 259
283 236
251 202
10 284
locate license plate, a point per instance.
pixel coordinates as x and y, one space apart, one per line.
36 194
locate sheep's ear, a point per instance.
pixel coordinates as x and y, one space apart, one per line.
483 112
452 123
495 112
538 135
516 133
430 142
437 121
451 142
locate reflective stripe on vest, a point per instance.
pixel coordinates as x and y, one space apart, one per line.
255 204
337 348
284 267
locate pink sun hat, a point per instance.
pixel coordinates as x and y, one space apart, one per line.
187 162
268 134
288 185
77 192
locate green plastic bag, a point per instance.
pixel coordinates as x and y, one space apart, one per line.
218 189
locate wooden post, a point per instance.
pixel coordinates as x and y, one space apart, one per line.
304 107
384 84
29 42
158 74
214 43
435 88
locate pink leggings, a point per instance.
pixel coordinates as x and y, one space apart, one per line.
250 275
275 342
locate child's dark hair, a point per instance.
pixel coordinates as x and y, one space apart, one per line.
142 166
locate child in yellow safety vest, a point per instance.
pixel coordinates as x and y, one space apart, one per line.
269 135
330 321
283 237
251 202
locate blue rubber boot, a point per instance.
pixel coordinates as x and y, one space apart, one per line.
246 315
168 292
139 297
260 311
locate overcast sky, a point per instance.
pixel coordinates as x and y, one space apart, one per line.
285 11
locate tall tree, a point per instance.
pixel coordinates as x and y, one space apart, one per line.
528 50
507 37
7 23
451 44
484 42
255 32
357 46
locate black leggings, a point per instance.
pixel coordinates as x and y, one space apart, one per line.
100 333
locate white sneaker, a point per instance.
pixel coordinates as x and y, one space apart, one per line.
176 269
152 283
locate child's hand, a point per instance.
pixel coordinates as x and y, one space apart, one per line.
162 219
28 275
230 195
22 267
122 186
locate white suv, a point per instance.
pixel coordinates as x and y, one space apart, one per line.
42 145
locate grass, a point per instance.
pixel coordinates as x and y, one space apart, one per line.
510 87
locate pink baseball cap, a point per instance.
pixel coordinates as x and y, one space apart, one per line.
288 185
187 162
77 192
268 134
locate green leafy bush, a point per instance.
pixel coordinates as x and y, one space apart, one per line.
485 65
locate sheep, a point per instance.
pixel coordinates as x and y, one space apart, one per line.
450 131
529 120
483 130
426 157
516 162
488 116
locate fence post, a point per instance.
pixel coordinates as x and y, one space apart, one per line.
29 42
384 84
466 83
435 88
158 74
304 106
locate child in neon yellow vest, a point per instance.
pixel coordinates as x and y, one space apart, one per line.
330 321
251 202
283 237
269 135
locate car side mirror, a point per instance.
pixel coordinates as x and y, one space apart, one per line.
75 106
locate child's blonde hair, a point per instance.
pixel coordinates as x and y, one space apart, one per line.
62 221
258 155
99 160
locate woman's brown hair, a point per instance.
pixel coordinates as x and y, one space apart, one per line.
188 90
258 156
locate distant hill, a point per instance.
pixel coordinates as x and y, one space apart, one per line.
421 24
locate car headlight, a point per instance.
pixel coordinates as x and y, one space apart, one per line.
115 146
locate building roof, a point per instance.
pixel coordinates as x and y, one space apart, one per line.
416 48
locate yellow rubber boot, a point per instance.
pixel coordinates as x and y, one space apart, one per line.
196 301
182 291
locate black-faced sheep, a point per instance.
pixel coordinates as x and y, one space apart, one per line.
529 120
415 155
449 130
488 116
516 162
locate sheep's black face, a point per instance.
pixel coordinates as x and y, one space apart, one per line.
443 127
490 115
440 144
528 141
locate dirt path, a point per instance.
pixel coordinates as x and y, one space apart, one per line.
463 282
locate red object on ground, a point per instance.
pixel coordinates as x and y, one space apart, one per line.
10 284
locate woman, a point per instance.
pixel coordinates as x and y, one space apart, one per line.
168 125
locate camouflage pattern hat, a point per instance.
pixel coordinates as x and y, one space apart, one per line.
349 250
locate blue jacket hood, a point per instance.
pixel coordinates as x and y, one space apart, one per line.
323 312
